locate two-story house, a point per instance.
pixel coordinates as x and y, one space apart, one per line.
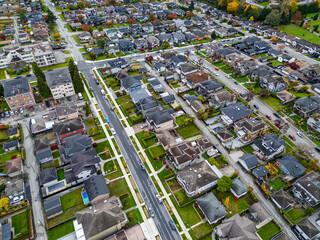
248 129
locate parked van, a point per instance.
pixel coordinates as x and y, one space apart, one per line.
80 96
102 92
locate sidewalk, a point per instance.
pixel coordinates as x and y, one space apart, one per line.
150 229
130 132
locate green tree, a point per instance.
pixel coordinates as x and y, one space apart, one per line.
315 17
191 7
77 82
44 90
101 42
213 35
51 17
263 14
23 17
87 109
308 211
166 44
265 92
315 28
93 56
1 91
224 184
273 19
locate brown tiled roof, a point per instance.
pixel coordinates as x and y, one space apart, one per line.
13 165
199 76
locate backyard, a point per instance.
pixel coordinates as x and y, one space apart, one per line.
134 217
112 169
277 184
21 224
120 189
200 231
8 156
188 131
61 230
294 215
300 32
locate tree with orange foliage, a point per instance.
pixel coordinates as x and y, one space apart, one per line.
57 35
85 27
173 16
131 21
190 14
297 17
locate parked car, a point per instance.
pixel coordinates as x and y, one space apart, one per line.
12 113
69 99
7 114
317 149
21 110
300 134
151 212
236 83
268 116
217 69
113 131
277 114
256 106
171 224
3 115
47 103
292 137
159 198
278 125
31 108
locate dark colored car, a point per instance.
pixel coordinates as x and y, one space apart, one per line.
277 114
173 227
317 149
256 106
69 99
47 103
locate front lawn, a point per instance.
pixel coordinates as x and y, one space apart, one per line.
2 74
76 39
21 224
268 231
276 63
156 151
8 156
264 3
60 174
200 231
277 184
112 169
134 217
124 99
294 215
61 230
3 135
248 149
182 198
60 65
187 213
300 32
271 101
104 147
234 206
120 189
188 131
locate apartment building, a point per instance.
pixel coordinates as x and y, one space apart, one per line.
18 93
41 53
60 83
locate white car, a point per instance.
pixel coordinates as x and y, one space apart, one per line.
113 131
300 134
217 74
21 110
227 76
236 90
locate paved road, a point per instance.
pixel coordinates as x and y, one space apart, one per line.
32 170
246 178
143 181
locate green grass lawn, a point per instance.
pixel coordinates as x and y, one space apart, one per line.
60 231
162 176
104 146
62 17
90 122
234 206
99 136
182 197
264 4
277 184
71 203
56 154
268 231
7 156
188 214
294 215
3 135
248 149
157 164
76 39
200 231
134 217
313 23
276 63
157 151
271 101
299 94
2 74
60 65
120 189
60 174
188 131
21 224
300 32
124 99
176 85
54 164
115 174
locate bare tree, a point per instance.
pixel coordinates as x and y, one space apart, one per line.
285 127
187 53
249 96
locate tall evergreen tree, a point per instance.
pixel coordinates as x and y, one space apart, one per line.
51 17
77 82
44 90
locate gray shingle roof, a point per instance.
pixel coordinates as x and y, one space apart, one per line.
160 116
12 131
238 187
52 206
211 207
85 161
250 160
43 154
236 111
57 77
10 144
269 144
260 171
282 198
96 186
292 165
76 143
47 175
16 86
308 228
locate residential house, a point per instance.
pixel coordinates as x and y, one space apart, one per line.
198 178
147 104
234 113
285 96
208 88
199 34
48 177
131 83
248 161
245 67
268 146
260 73
260 172
282 200
167 37
179 38
83 165
14 188
307 230
307 188
147 27
141 43
14 167
160 67
248 129
176 60
60 83
68 128
169 99
84 36
238 189
101 220
183 155
44 155
274 53
118 65
126 45
197 106
237 227
290 166
314 123
75 26
96 188
195 79
64 112
73 145
221 98
153 41
18 93
307 105
211 207
274 83
10 146
52 207
259 214
161 119
190 37
157 86
187 68
138 95
13 132
205 144
224 135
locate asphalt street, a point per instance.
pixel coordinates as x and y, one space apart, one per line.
143 180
